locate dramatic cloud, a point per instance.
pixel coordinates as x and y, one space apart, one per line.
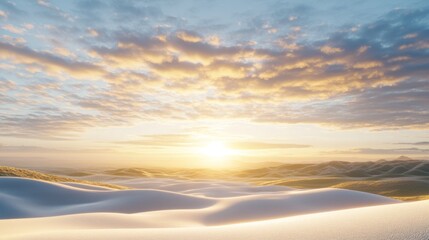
372 59
48 62
392 107
109 71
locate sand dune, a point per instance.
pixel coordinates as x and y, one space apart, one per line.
375 169
385 222
251 204
183 209
222 204
403 178
25 173
379 169
22 197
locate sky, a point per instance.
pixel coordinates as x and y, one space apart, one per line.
212 83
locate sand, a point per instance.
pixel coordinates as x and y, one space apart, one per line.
187 209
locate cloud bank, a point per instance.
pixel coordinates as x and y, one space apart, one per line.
371 75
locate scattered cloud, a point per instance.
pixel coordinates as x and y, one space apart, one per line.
188 140
38 149
265 145
25 149
13 29
415 143
164 140
391 107
53 64
343 66
189 36
3 14
374 76
63 125
385 151
92 32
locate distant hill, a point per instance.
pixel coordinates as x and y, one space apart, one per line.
19 172
379 169
403 158
402 178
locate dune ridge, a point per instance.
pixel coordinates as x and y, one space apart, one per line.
21 197
403 178
161 208
384 222
375 169
25 173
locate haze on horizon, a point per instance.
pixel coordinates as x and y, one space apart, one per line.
211 83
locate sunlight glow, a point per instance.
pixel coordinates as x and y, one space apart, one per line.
216 154
216 149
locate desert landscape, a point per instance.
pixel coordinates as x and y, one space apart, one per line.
214 119
345 200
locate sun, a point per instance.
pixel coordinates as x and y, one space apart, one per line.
217 154
216 149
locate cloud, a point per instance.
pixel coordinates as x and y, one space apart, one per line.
163 140
44 3
265 145
391 107
130 10
189 36
13 29
11 8
51 63
49 10
188 140
58 125
92 32
372 76
385 151
345 62
3 14
38 149
25 149
415 143
6 85
330 50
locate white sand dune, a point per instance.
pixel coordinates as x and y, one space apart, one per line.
207 188
22 197
405 221
177 209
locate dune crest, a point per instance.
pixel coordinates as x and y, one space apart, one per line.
238 210
225 203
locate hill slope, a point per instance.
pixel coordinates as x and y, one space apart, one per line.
24 173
